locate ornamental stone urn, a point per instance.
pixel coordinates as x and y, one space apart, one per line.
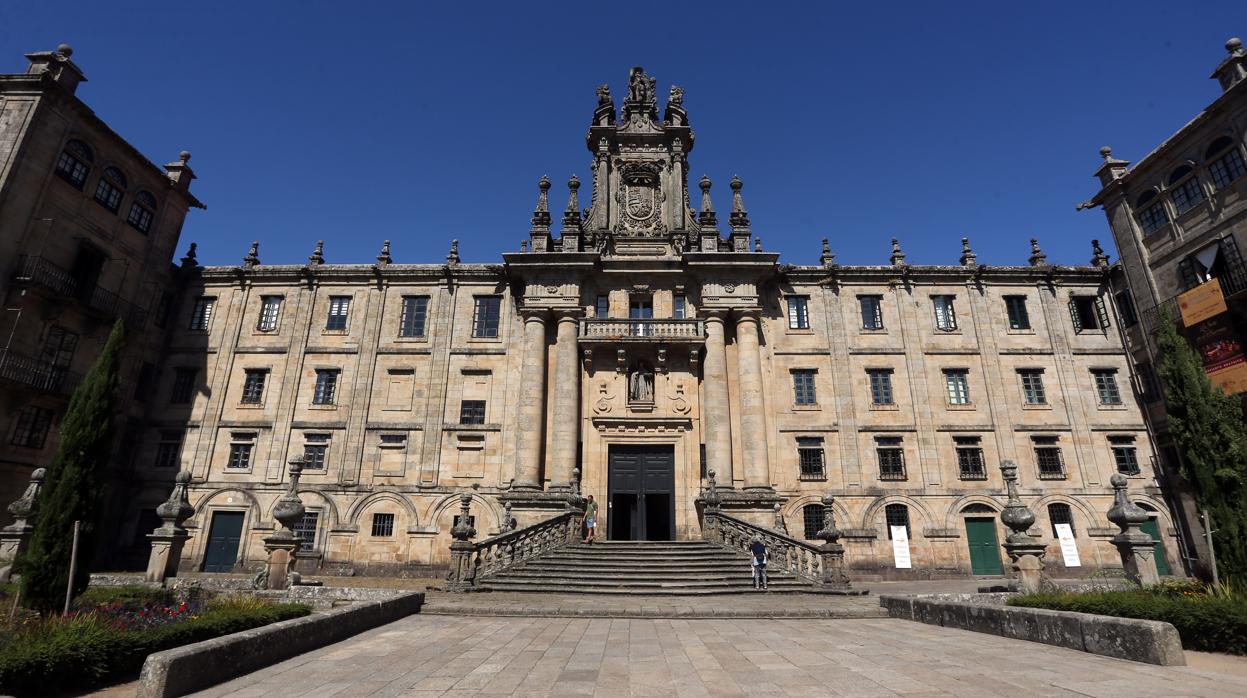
710 516
831 552
1136 548
13 538
282 545
1025 551
462 575
170 537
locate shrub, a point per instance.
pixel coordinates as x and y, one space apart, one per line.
128 595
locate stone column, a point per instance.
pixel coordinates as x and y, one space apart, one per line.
754 450
714 412
13 537
1137 549
566 428
169 539
532 402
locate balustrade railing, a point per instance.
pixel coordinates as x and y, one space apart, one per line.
38 271
487 557
648 328
37 374
786 553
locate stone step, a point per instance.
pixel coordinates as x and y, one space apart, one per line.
735 574
678 590
646 554
665 567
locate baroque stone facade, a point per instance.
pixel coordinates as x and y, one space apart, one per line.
642 347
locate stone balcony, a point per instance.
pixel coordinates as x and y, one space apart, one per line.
624 330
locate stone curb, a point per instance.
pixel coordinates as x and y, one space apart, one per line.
683 613
197 666
1148 641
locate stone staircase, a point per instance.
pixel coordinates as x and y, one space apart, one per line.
643 568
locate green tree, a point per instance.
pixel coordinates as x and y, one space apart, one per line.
1207 426
73 486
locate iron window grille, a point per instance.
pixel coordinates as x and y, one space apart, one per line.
880 385
183 385
1125 457
810 458
1228 167
201 315
141 208
812 520
110 189
239 456
1048 458
415 312
305 531
486 315
896 515
270 311
74 163
970 463
891 457
31 430
945 313
872 312
339 310
958 386
326 386
382 525
1059 513
253 386
1088 313
1019 317
803 386
169 450
472 412
799 312
1106 386
1032 386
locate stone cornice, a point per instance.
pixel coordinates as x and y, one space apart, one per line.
1021 274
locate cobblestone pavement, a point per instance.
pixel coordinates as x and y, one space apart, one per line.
428 655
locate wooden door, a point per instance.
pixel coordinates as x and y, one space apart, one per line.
984 549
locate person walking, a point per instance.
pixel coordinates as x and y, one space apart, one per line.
591 516
758 558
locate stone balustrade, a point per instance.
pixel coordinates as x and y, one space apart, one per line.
649 329
787 553
497 553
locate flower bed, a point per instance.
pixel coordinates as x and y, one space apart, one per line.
1207 619
110 632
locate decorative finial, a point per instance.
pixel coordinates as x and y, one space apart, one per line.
385 258
66 50
184 156
523 245
757 244
707 217
1098 258
676 98
290 509
826 259
1125 514
463 530
189 261
604 94
829 534
1015 514
318 255
898 257
1106 152
571 215
1233 46
541 217
968 258
713 498
1037 258
739 218
779 524
253 255
452 257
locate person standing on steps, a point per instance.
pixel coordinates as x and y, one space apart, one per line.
591 515
758 560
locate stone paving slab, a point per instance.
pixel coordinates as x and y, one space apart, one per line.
428 655
760 605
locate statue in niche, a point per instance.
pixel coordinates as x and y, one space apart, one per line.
641 384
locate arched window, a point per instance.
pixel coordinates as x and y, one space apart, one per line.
896 515
812 519
1059 513
74 163
1152 216
1186 191
1217 146
111 186
1179 173
977 508
1227 167
141 210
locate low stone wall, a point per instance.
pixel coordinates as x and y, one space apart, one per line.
194 667
1149 641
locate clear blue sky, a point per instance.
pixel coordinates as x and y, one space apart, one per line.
355 122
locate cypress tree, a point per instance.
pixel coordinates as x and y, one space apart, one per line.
73 486
1207 426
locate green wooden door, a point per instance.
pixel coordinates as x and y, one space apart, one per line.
984 550
1153 530
223 539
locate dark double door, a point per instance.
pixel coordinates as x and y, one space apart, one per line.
641 493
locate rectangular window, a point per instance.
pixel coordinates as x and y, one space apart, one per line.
1048 458
679 308
140 218
1153 217
253 385
315 449
799 312
1088 313
891 457
956 379
1224 170
1124 455
415 310
270 310
326 386
107 194
183 385
880 385
1106 386
485 316
945 313
240 456
1125 308
169 450
472 412
201 314
305 531
1019 318
1032 386
603 308
970 458
1187 195
59 347
339 310
810 457
872 312
382 525
31 430
803 386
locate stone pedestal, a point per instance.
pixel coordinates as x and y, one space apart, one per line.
282 545
462 575
834 579
1136 548
278 571
15 536
169 539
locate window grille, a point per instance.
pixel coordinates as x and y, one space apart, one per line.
31 430
253 386
891 457
183 385
1059 513
472 412
811 458
305 531
382 525
812 520
1048 458
897 515
169 450
970 458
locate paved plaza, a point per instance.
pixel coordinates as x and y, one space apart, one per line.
432 655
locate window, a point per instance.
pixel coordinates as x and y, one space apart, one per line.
1226 168
415 310
485 316
270 312
880 385
169 450
1032 386
305 531
872 312
803 386
1152 217
891 457
315 448
74 163
382 525
810 457
1019 319
1106 386
679 307
812 520
240 456
958 386
32 427
326 386
1088 313
1219 260
472 412
1125 308
1048 458
201 314
896 515
183 385
339 309
253 385
701 457
59 347
603 308
970 458
109 190
1059 513
945 313
141 212
1124 456
798 312
1185 193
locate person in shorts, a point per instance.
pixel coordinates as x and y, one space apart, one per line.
591 519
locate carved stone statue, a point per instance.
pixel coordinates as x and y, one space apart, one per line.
604 95
641 384
676 99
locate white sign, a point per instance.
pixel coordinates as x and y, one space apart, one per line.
900 547
1069 549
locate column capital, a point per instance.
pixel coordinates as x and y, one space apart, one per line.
529 313
743 314
714 314
568 314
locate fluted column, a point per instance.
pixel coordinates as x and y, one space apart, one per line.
532 402
754 452
714 412
566 427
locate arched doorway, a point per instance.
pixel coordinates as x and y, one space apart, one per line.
981 539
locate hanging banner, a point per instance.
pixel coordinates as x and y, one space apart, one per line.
1221 352
1069 549
900 547
1202 302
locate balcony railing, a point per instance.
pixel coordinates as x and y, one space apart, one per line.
630 330
38 271
36 374
1233 280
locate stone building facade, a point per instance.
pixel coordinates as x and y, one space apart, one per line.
632 354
